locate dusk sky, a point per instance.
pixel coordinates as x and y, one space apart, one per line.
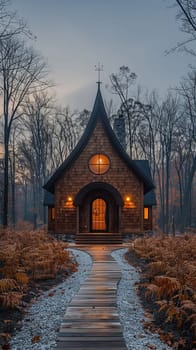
74 35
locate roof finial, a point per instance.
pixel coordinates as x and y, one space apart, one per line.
99 69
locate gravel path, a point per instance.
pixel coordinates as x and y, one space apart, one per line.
131 312
44 317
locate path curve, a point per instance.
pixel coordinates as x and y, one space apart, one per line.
91 320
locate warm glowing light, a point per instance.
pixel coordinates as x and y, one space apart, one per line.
69 202
146 213
99 208
99 164
128 202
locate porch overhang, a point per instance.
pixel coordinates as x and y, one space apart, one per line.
93 186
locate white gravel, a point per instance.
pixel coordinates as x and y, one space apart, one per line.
45 316
130 310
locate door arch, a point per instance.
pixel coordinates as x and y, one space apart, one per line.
99 215
84 199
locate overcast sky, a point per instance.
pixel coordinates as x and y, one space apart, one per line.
74 35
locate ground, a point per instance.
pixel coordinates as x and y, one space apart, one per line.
11 320
168 331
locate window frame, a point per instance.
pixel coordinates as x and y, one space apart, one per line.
90 165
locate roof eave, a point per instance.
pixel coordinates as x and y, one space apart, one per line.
98 112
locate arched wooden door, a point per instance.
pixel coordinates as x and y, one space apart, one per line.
99 215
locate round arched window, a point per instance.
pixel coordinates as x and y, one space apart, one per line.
99 164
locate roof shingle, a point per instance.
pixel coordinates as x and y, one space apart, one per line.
100 112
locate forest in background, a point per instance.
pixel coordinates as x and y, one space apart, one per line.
37 135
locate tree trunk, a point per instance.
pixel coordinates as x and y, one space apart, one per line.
6 183
163 191
167 195
25 202
34 208
6 162
13 211
187 196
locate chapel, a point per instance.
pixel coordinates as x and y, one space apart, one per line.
98 189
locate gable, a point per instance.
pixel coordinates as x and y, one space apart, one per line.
78 174
99 130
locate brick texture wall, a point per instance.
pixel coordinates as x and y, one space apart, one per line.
79 175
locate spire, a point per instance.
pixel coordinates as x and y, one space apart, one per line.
99 108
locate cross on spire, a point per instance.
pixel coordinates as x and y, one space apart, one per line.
99 69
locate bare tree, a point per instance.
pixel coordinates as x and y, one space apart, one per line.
188 9
133 110
12 166
10 23
48 136
34 146
188 93
148 132
155 140
120 85
22 71
167 128
182 163
66 131
187 17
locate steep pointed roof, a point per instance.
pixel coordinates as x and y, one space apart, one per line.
99 112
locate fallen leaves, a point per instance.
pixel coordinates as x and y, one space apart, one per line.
35 339
151 346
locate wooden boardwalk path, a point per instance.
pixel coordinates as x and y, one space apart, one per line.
91 320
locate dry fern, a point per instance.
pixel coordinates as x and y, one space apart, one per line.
171 273
7 284
22 278
26 255
156 268
11 299
168 286
152 290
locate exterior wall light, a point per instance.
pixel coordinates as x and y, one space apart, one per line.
69 202
128 202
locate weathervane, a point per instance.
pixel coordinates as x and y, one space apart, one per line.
99 69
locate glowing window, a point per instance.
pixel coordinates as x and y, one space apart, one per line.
99 164
99 215
146 213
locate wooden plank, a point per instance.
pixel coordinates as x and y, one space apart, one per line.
91 320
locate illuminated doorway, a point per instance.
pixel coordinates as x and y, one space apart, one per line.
99 215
